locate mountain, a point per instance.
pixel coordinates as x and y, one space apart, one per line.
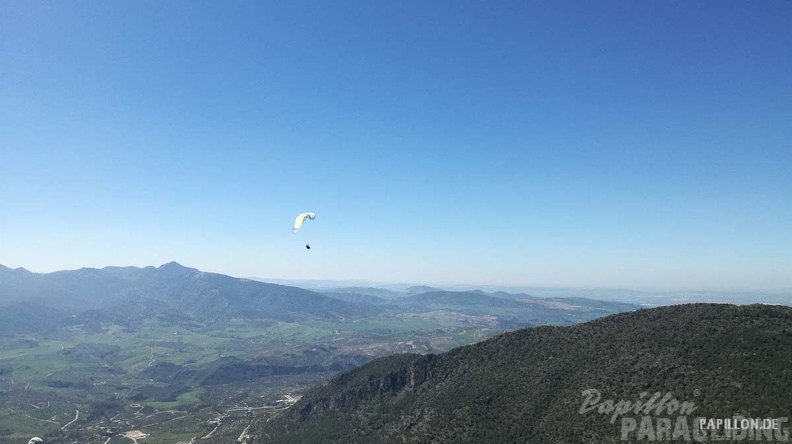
369 291
530 385
30 318
357 298
137 310
418 289
70 291
203 296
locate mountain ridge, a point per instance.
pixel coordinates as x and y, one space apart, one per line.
526 385
199 294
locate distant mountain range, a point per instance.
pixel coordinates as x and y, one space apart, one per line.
532 385
641 297
180 295
200 295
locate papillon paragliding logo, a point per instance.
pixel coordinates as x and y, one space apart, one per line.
298 223
661 417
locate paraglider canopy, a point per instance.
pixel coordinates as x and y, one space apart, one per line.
300 219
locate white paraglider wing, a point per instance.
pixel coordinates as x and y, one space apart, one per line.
300 219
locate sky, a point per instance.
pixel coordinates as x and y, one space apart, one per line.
643 145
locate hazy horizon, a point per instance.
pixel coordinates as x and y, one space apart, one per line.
586 145
446 285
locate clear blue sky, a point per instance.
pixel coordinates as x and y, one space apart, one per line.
635 144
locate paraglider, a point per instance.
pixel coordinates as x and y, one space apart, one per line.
298 222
